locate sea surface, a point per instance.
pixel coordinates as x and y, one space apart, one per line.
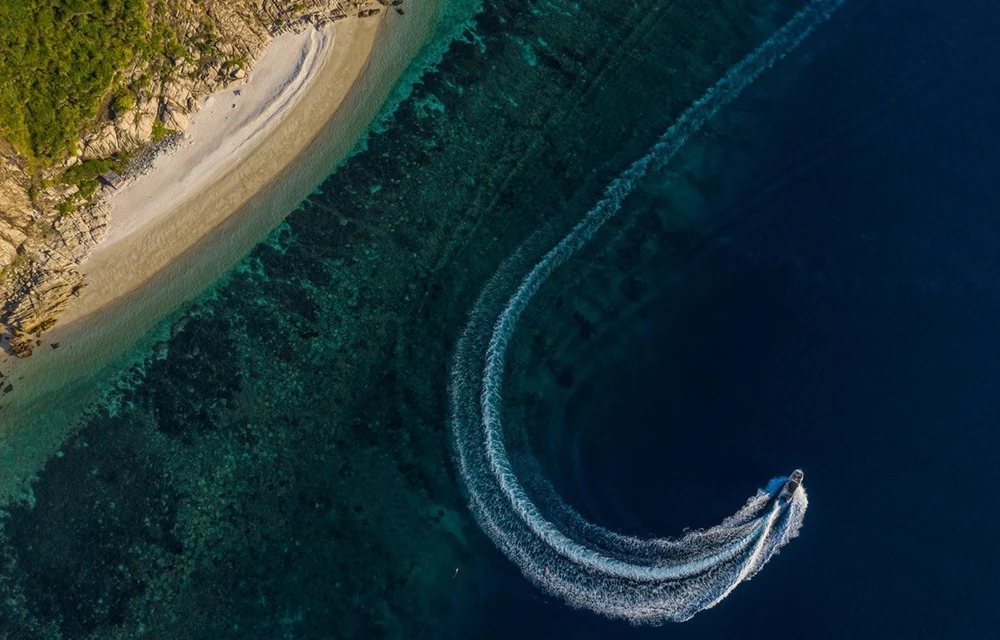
810 283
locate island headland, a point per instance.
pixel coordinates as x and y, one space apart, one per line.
135 74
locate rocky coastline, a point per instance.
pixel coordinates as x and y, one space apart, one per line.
48 226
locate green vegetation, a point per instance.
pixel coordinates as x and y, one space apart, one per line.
164 40
123 103
160 130
84 175
57 62
65 208
163 47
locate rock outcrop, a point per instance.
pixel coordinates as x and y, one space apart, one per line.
46 228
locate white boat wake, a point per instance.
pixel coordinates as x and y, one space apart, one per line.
648 581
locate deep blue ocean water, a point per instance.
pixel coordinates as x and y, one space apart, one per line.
811 283
842 319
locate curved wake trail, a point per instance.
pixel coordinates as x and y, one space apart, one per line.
640 580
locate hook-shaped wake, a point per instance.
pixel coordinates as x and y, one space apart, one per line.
640 580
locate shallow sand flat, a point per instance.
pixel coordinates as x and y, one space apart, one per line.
155 261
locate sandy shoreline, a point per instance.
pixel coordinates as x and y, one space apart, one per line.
227 152
177 230
225 127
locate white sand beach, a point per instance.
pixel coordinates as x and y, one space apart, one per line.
225 127
232 147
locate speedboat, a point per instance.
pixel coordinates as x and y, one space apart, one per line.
793 483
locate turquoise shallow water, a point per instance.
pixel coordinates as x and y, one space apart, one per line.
279 464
